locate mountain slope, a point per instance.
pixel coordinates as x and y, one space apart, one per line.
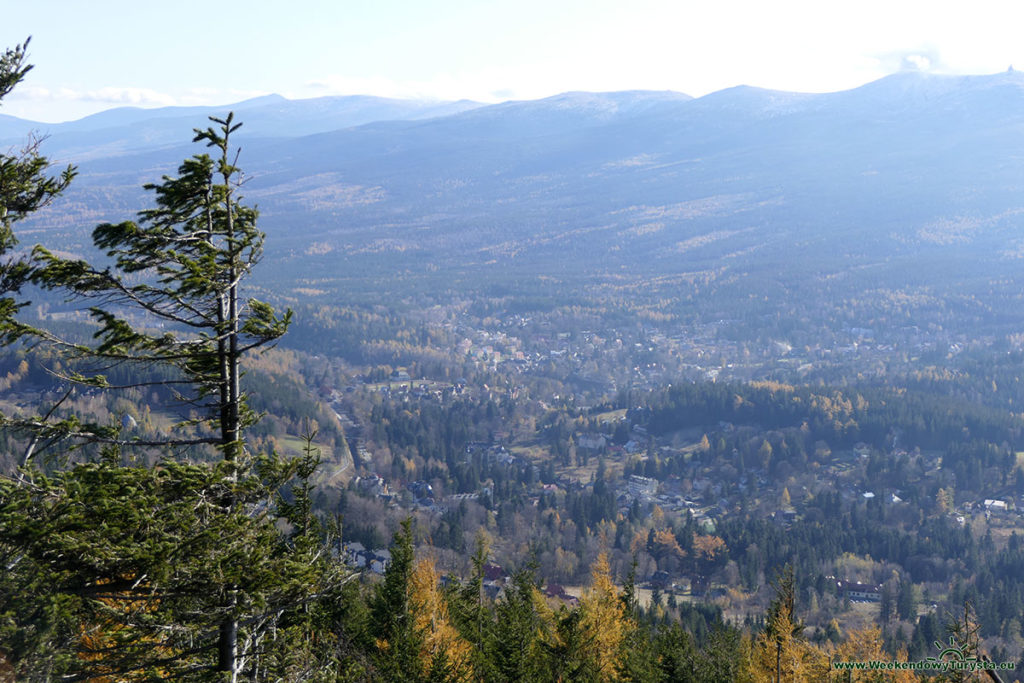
911 177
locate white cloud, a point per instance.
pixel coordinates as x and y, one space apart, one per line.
139 97
918 62
38 103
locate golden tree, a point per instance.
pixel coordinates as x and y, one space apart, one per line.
779 655
604 622
442 650
865 645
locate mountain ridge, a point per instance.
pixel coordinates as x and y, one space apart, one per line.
912 175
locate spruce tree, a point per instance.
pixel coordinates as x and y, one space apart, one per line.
173 296
129 573
179 569
514 649
397 641
25 188
180 267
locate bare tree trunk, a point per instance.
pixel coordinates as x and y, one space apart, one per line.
230 394
227 651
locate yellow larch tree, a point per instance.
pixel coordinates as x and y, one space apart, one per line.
441 645
707 546
865 645
779 655
664 544
604 622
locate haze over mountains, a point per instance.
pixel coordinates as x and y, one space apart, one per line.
915 178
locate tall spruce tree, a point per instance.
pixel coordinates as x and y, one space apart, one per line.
398 643
203 576
173 296
179 268
25 188
515 650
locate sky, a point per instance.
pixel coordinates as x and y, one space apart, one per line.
91 56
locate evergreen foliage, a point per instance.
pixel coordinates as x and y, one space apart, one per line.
126 571
178 570
25 188
396 639
180 268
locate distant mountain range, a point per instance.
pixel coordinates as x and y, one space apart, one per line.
914 178
129 130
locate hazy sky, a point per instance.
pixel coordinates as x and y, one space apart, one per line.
96 55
